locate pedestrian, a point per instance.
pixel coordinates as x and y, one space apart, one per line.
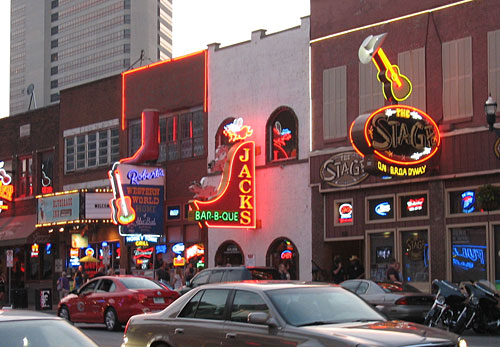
356 270
2 288
189 272
177 281
162 273
392 273
78 278
338 272
284 274
63 285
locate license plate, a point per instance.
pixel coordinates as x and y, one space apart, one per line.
159 300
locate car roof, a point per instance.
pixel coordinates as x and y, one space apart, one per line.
266 285
19 315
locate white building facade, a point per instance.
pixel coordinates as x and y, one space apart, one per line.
57 44
265 82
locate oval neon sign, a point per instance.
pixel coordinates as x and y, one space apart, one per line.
398 134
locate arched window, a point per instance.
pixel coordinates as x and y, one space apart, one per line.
283 250
222 146
282 135
229 253
220 138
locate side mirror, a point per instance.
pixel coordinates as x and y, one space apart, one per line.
262 318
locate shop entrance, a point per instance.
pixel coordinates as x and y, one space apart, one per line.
282 250
229 254
351 254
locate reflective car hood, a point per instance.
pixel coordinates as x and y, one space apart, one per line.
388 333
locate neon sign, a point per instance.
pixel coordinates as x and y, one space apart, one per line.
6 188
468 201
397 139
194 251
161 249
34 250
140 237
48 248
179 261
135 177
178 248
343 169
73 252
233 206
236 131
89 252
140 253
286 254
280 137
46 182
383 208
415 204
345 213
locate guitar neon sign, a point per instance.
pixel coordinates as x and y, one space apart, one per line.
121 205
395 86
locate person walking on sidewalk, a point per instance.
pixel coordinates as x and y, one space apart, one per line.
63 285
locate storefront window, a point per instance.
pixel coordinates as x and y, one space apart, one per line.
284 251
282 135
415 248
413 206
381 209
468 254
497 256
229 253
463 202
381 253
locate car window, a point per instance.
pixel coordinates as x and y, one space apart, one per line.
232 275
201 278
46 332
88 288
317 305
139 283
363 287
190 308
216 276
264 274
106 286
212 304
245 303
392 287
351 285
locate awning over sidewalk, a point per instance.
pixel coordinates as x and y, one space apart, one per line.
15 230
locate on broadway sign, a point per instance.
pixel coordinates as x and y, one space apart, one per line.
234 204
395 140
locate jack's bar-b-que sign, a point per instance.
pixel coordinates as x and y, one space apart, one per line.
395 140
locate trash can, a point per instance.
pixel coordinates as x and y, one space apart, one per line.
19 298
43 299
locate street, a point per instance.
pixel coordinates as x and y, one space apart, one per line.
106 338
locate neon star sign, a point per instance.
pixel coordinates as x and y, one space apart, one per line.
234 204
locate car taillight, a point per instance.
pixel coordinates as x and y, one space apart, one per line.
402 301
142 298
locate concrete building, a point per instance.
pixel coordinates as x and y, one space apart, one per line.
57 44
432 221
265 82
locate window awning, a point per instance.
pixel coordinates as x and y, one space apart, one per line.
15 230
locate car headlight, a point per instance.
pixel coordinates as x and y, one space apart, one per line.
462 343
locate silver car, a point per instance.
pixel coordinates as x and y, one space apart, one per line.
396 300
271 313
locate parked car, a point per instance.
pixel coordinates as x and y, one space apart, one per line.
230 274
112 300
276 313
396 300
28 328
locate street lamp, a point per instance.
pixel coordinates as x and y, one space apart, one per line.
490 108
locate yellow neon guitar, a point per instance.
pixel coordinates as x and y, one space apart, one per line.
396 86
121 205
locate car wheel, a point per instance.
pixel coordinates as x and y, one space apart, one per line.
64 313
111 319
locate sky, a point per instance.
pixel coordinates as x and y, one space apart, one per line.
196 23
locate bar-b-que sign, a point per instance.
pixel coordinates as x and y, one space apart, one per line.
395 140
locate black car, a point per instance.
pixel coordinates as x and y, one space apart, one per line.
230 274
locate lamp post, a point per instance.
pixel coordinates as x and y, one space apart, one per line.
490 108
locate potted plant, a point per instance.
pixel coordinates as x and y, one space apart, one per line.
488 197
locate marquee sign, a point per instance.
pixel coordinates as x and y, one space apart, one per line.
138 199
396 140
343 170
234 204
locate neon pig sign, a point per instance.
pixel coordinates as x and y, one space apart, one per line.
397 140
234 204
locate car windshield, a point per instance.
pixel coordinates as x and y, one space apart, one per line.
42 333
391 287
139 283
321 305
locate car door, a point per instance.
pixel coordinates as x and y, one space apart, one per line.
100 298
83 312
201 321
237 330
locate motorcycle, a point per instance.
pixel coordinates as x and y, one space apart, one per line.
447 306
481 312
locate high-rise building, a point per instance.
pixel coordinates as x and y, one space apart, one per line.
57 44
